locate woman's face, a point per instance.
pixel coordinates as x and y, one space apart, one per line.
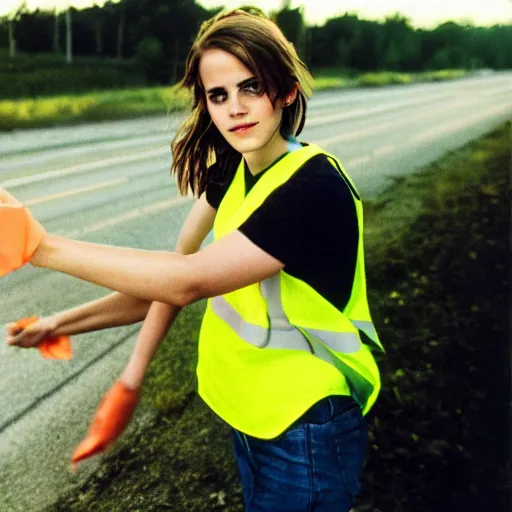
243 115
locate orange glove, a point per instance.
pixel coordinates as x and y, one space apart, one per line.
50 347
112 417
20 233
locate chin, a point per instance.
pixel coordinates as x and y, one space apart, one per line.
246 146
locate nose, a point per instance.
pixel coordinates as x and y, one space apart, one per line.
236 106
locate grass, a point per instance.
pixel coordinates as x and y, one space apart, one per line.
438 267
129 103
99 106
325 79
439 272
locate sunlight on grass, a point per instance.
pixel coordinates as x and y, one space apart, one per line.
330 82
385 78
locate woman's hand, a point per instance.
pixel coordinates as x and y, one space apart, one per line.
32 333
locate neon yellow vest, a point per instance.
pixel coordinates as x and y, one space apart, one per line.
269 351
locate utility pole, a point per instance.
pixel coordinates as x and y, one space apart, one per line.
12 41
69 37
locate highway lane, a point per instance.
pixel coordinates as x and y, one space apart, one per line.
109 183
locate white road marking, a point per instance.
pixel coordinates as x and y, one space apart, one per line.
48 153
79 168
460 124
363 112
356 162
384 150
127 216
354 135
74 192
497 92
392 125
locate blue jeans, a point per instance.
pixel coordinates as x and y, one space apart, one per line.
314 466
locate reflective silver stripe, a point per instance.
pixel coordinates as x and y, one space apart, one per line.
253 334
281 333
367 327
290 338
340 342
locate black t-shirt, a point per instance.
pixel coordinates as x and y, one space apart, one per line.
309 224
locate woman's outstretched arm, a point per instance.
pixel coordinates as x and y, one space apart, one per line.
226 265
112 310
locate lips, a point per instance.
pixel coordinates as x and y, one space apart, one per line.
242 127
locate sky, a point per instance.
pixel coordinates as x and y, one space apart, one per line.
422 14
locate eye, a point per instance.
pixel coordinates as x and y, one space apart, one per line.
254 87
218 97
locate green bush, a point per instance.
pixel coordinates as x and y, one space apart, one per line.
47 82
444 74
384 78
30 76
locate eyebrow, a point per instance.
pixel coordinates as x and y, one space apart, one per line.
239 84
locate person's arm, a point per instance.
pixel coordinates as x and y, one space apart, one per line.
113 310
161 316
226 265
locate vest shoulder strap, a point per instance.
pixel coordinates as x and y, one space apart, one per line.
344 175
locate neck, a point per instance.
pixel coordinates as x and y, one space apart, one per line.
258 161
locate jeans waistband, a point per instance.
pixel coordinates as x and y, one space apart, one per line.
327 408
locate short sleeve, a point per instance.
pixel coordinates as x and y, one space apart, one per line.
214 193
216 189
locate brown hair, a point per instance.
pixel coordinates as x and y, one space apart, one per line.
259 44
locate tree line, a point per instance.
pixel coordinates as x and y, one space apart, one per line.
157 34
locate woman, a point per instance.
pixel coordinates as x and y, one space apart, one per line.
280 354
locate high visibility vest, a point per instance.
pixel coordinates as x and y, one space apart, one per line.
269 351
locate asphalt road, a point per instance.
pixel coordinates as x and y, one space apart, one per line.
109 183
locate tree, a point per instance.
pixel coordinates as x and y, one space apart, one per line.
291 22
95 17
174 26
400 43
151 58
32 31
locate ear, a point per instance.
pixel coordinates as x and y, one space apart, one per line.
291 97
